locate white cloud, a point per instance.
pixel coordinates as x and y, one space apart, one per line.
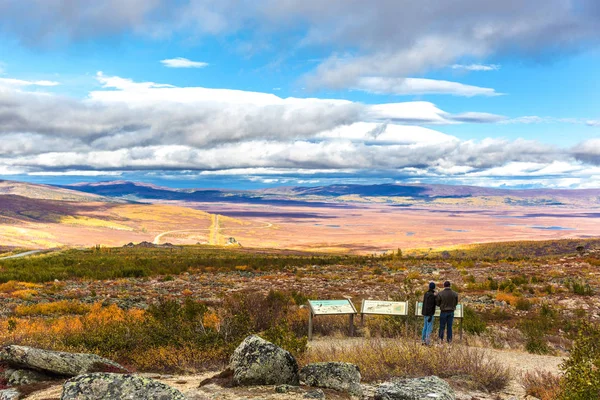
180 62
76 173
477 67
420 86
10 82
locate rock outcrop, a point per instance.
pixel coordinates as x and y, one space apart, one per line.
57 362
344 377
117 386
430 387
259 362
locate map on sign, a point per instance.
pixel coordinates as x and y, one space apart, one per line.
384 307
458 313
331 307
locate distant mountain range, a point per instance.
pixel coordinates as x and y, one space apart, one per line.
340 194
331 196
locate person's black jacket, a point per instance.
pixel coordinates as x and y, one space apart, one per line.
428 303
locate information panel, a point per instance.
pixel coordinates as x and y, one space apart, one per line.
331 307
458 313
384 307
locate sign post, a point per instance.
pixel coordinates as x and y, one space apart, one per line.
331 307
377 307
458 314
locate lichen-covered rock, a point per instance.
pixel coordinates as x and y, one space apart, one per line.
57 362
117 386
9 394
18 377
340 376
430 387
258 362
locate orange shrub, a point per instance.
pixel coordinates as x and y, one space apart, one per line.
509 298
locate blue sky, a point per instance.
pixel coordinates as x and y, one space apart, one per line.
308 93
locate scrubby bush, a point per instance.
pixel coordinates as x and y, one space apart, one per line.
169 336
523 304
472 322
580 288
581 379
542 385
535 330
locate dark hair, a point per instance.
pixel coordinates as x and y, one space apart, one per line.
431 285
447 284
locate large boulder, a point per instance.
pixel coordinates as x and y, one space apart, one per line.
258 362
340 376
117 386
57 362
430 387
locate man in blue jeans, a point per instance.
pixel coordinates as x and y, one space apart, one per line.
446 300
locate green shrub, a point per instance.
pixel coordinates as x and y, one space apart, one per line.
581 288
523 304
581 379
472 322
535 330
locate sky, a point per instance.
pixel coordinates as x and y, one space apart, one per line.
250 94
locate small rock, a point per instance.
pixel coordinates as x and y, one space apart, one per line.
339 376
287 388
117 386
314 394
9 394
18 377
430 387
258 362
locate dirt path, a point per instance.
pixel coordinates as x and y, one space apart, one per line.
213 232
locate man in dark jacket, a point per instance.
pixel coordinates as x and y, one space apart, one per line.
428 312
446 300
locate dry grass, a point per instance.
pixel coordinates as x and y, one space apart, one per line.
541 384
380 359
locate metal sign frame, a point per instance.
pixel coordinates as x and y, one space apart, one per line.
313 312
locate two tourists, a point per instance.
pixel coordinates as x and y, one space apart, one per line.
446 300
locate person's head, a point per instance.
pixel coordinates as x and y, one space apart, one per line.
447 284
431 286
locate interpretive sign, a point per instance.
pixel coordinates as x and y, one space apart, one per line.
384 307
331 307
458 313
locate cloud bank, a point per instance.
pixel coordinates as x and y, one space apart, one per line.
146 126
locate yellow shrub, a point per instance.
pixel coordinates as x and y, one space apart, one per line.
54 308
24 294
12 286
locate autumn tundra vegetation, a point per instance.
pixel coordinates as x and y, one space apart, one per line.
182 309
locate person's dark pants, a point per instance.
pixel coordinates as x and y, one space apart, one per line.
446 319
